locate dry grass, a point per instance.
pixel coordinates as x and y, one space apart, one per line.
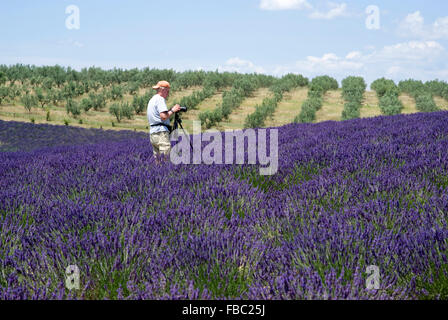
333 105
58 115
441 103
408 104
288 108
370 106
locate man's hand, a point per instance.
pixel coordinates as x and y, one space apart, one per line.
176 108
166 115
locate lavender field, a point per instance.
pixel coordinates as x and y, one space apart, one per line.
347 195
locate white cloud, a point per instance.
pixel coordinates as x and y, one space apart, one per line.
284 5
71 43
411 51
353 55
331 11
242 66
414 26
328 63
335 10
393 71
425 60
440 27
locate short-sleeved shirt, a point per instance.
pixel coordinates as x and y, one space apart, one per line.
157 105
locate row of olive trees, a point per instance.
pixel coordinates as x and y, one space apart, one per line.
421 93
388 96
317 88
212 83
94 78
269 105
242 88
353 89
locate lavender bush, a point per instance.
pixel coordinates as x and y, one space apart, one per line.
347 195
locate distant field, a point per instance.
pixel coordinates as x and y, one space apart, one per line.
287 109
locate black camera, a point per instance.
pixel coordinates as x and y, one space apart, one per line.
183 109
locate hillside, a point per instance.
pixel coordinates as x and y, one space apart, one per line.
288 108
117 99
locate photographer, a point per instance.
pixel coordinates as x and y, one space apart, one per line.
159 119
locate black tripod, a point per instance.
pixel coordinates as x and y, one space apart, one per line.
177 124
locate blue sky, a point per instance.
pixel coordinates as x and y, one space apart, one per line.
265 36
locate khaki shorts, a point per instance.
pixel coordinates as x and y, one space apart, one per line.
161 143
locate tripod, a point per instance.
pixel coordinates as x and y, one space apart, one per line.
177 124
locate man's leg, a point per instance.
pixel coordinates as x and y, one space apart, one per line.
155 143
164 143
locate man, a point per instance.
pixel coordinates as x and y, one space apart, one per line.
159 119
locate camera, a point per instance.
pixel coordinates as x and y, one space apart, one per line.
183 109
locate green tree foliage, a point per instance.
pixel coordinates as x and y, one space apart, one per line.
140 103
48 83
438 88
353 89
388 93
384 87
412 87
14 92
317 88
269 105
242 88
326 83
69 91
115 110
422 94
29 101
55 95
127 110
43 98
390 104
351 111
214 80
425 103
98 101
116 92
26 89
4 93
86 104
309 108
3 78
132 87
197 97
73 107
189 79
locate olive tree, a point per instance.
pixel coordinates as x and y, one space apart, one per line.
29 101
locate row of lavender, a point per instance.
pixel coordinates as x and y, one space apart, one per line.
347 195
20 136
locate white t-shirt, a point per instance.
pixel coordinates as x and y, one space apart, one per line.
157 105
